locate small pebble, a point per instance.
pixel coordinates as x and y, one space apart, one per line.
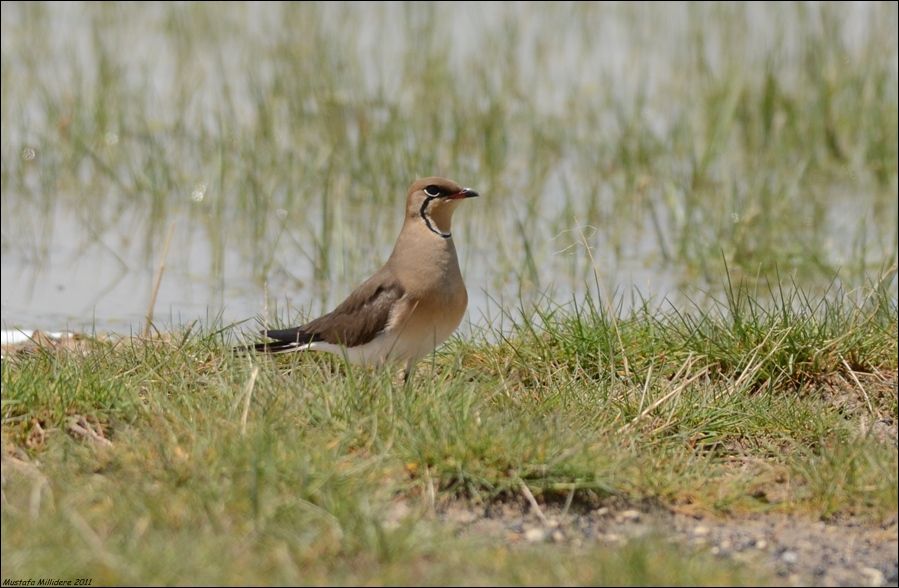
534 535
614 537
873 576
700 531
789 557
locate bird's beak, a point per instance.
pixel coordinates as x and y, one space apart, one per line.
465 193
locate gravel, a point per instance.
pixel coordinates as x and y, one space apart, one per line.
795 550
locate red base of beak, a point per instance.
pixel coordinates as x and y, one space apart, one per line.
466 193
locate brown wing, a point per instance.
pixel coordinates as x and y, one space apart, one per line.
356 321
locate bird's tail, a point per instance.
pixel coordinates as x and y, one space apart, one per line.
284 341
275 347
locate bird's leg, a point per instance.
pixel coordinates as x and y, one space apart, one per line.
407 373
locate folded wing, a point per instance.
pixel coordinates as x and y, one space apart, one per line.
356 321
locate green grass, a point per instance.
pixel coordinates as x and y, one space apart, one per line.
723 412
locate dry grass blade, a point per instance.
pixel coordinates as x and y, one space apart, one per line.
93 540
78 425
533 502
685 368
40 484
158 281
859 384
247 396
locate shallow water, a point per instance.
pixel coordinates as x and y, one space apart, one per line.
82 234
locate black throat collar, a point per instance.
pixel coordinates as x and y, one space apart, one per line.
428 221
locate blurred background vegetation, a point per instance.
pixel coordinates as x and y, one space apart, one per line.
628 148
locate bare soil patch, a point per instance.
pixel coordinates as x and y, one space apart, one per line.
795 551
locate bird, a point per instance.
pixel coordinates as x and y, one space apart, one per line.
409 306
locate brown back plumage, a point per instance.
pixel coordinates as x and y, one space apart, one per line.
355 321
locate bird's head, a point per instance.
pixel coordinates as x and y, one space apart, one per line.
431 201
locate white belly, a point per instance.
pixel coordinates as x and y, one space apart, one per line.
384 348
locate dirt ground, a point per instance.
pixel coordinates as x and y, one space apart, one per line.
795 551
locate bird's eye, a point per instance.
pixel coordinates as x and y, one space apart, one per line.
432 191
